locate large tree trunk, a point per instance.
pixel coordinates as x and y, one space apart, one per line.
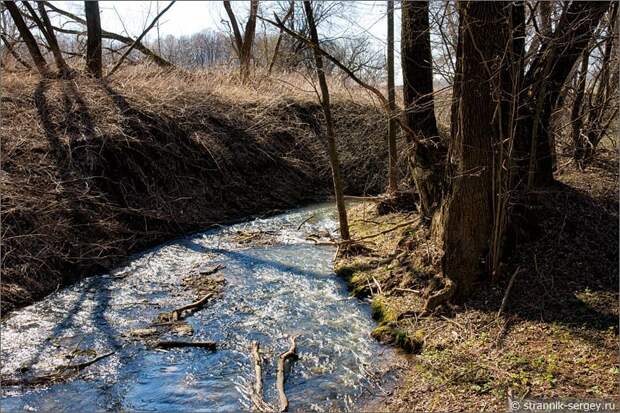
28 38
93 42
331 140
544 81
429 157
392 154
467 215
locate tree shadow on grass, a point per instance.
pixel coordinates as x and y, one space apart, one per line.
569 273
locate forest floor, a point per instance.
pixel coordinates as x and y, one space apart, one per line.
93 171
558 334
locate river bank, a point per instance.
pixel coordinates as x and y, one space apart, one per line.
557 335
104 170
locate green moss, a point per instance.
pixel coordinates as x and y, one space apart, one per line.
381 311
345 270
390 334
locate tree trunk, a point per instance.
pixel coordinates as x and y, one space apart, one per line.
467 215
331 140
51 38
603 108
428 161
243 44
576 112
13 52
245 56
93 42
28 38
392 154
548 73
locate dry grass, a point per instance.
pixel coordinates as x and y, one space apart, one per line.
93 171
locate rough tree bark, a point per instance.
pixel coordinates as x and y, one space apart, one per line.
28 38
392 154
331 140
467 214
93 42
429 156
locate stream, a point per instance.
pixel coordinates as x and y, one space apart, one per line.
277 284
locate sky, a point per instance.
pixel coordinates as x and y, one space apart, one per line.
188 17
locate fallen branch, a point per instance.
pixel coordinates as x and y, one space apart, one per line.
304 221
61 373
177 314
290 353
375 199
209 345
257 390
403 224
137 41
85 364
505 299
212 270
407 290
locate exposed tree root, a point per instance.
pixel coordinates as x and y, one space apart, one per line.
440 297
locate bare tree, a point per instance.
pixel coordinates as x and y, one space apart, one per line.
45 27
392 155
137 41
109 35
428 159
331 139
28 38
243 44
93 43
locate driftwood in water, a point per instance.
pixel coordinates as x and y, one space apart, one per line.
290 353
177 314
209 345
61 373
257 390
211 270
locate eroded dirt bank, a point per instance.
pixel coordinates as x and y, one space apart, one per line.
92 171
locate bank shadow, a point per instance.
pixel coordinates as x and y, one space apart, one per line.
569 274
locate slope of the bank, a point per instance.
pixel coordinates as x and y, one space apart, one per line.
552 335
93 171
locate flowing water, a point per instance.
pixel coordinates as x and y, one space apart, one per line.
278 284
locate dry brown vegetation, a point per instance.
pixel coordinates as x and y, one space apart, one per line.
557 335
93 171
